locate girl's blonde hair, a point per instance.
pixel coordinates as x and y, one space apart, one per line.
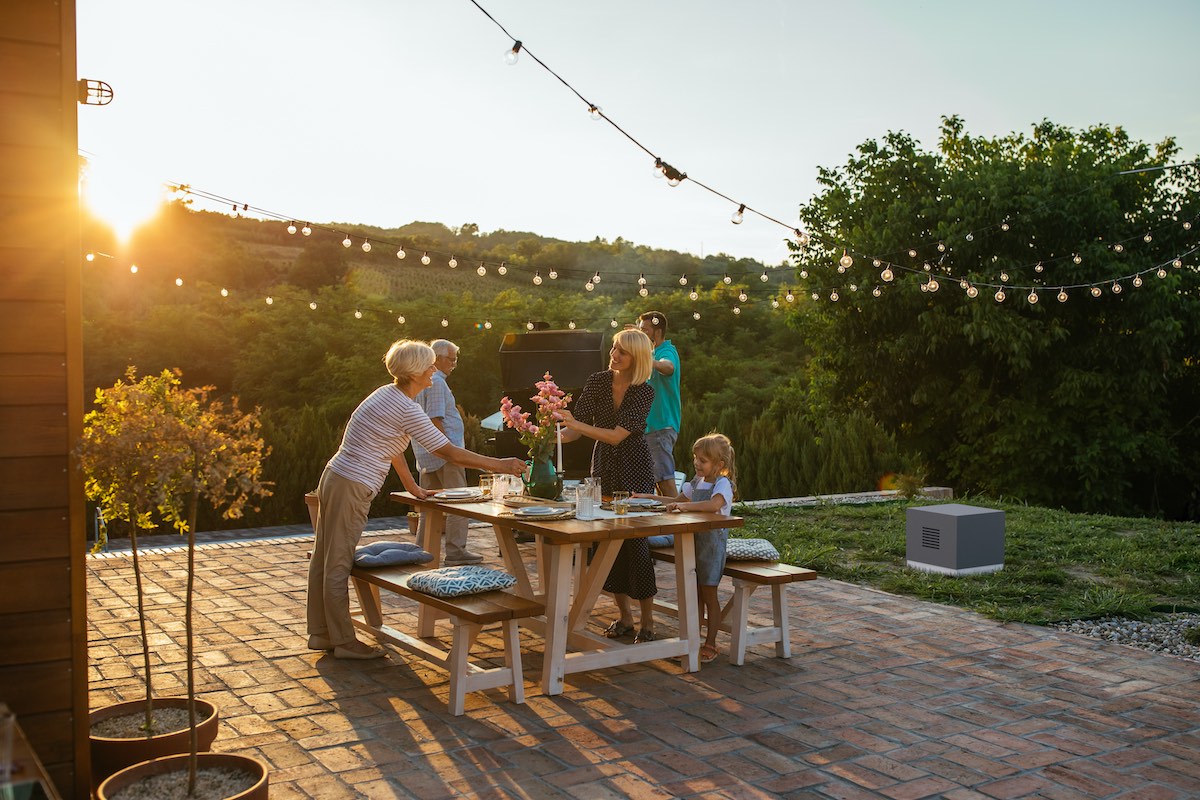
639 347
717 447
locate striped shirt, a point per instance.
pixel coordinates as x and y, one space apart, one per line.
378 432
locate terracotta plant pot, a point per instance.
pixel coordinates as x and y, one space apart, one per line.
110 755
179 763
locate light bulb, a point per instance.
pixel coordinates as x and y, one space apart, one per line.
511 56
1116 288
453 262
1033 298
673 181
695 315
846 260
481 270
1000 295
133 268
537 279
789 297
737 310
571 324
179 281
912 253
876 263
1177 263
90 256
887 275
815 296
445 322
1095 291
774 302
737 217
934 285
1187 226
1118 248
553 274
941 247
926 267
313 306
727 280
877 291
400 254
841 268
224 292
643 291
1039 267
1078 259
612 323
1147 238
589 286
307 231
366 247
854 287
1004 226
596 112
764 277
400 319
346 242
963 284
693 296
683 280
642 279
803 273
291 228
503 268
1062 295
357 314
801 237
596 277
1162 273
970 237
834 296
1137 281
487 324
1004 277
425 258
658 168
529 325
270 300
972 292
742 297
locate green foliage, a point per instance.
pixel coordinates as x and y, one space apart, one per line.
1089 404
1057 565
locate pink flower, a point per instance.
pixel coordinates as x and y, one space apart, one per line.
537 434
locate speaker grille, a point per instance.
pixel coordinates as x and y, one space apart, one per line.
931 538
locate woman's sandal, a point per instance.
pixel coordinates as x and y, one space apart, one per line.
708 654
645 636
617 630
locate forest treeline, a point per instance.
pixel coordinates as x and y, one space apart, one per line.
1088 404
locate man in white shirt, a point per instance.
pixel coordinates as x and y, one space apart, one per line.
437 473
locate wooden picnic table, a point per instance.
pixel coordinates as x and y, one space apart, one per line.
570 586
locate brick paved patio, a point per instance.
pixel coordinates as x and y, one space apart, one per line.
883 697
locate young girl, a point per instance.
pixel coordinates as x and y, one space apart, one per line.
711 489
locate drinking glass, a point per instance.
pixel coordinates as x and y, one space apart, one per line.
486 481
620 502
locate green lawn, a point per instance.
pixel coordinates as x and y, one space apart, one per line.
1057 565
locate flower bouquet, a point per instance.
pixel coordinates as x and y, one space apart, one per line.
539 433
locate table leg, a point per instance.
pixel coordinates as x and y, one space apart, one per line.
689 605
431 542
512 559
557 582
591 581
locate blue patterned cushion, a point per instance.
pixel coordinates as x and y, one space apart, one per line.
750 550
388 554
456 581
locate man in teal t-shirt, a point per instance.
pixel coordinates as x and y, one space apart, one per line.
662 426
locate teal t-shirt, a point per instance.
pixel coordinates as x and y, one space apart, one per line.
665 412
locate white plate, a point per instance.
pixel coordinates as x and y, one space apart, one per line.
537 511
642 501
458 494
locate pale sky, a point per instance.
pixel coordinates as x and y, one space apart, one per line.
387 111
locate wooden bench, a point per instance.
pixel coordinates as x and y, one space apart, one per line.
735 616
468 614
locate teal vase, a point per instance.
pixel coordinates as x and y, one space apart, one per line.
544 481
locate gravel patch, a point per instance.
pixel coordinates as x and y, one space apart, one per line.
1159 634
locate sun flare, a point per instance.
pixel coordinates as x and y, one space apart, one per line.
120 195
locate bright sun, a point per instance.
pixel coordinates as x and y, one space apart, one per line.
120 195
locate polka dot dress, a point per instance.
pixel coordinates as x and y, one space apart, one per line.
623 467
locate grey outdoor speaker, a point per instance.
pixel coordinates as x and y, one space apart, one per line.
955 539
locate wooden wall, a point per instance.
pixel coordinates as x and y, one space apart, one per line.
43 635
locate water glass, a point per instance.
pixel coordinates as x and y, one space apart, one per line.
485 483
585 504
620 502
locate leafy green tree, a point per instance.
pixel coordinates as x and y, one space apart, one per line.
1089 403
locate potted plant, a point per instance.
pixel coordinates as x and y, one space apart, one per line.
151 451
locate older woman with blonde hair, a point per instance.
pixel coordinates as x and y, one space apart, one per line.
612 409
375 439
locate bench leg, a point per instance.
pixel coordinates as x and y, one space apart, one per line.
741 615
512 660
779 603
368 601
459 664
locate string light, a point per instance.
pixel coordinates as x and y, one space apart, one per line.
366 246
726 280
400 254
357 314
642 279
179 281
589 286
612 323
306 230
445 322
737 217
972 292
571 324
224 292
596 113
1033 298
425 259
400 319
537 279
764 277
695 315
511 56
503 268
1062 295
553 274
133 268
1000 295
270 300
487 324
683 279
313 306
693 296
1116 288
481 270
346 242
643 292
453 262
846 260
291 228
1095 291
